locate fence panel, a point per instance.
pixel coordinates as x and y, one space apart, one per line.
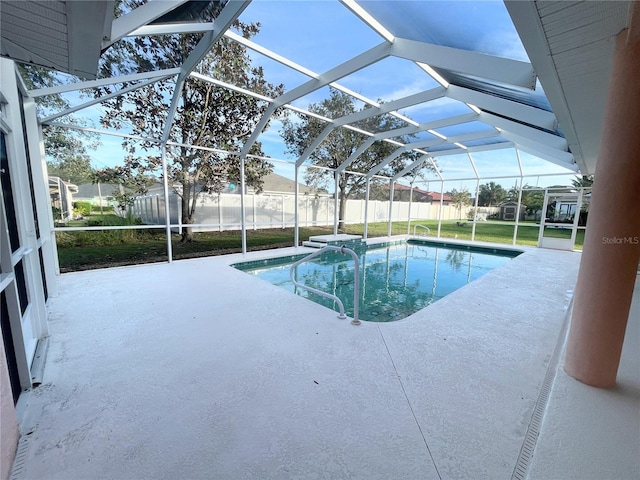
223 211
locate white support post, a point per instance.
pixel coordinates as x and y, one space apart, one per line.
219 212
178 214
409 214
242 212
475 208
282 205
167 216
336 213
543 216
391 186
296 227
440 208
100 197
515 228
366 210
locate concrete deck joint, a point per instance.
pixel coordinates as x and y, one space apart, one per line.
404 392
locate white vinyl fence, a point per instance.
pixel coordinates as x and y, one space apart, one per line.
223 212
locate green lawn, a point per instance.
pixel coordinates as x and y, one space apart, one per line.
104 248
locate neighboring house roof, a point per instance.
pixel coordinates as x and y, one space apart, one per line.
90 190
274 183
54 182
404 188
421 195
435 197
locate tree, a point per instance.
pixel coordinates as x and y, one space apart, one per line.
583 181
207 115
340 145
460 199
76 169
62 145
532 199
491 194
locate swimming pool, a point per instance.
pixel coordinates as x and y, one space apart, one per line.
396 279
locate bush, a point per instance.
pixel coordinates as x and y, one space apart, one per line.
82 208
104 237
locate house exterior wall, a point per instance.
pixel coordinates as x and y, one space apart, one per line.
27 250
8 420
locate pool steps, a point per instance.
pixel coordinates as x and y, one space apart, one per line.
353 242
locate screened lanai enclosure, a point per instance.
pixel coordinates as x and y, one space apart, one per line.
431 107
184 116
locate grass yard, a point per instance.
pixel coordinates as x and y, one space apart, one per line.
106 248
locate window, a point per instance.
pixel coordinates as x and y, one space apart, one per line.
7 196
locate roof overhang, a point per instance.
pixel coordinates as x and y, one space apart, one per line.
573 64
61 35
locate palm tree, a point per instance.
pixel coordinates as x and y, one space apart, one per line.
460 199
584 181
491 194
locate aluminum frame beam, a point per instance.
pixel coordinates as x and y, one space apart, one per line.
409 168
70 87
508 108
230 12
480 148
526 131
553 155
141 16
500 69
350 66
117 93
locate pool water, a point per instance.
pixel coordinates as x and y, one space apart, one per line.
396 280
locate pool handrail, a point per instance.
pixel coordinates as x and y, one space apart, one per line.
421 226
356 280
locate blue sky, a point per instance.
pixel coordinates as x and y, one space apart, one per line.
330 34
320 35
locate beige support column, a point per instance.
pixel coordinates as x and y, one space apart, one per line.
612 243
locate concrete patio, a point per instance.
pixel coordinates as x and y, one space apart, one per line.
195 370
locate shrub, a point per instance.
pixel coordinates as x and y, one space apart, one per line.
82 208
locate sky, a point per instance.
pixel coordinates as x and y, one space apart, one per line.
320 35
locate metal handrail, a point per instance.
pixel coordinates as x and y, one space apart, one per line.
356 280
421 226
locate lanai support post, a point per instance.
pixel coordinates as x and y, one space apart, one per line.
167 213
611 252
243 215
336 212
515 228
366 209
391 186
440 208
475 209
296 228
409 213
